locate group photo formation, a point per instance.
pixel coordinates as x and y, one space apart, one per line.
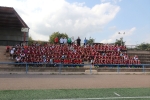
74 49
65 51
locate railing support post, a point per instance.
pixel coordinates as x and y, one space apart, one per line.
118 69
60 65
143 69
91 69
26 68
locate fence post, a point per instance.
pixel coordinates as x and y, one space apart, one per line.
26 68
118 69
143 69
60 68
90 68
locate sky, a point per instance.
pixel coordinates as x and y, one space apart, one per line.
101 20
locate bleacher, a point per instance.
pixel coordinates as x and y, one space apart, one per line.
4 57
53 54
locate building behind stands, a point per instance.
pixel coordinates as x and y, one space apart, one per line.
10 27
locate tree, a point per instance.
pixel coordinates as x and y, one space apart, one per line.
120 42
56 34
90 41
30 40
144 46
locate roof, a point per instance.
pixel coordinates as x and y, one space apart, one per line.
9 18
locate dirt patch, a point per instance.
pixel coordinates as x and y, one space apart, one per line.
17 82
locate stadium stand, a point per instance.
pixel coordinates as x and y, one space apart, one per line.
10 27
143 55
53 54
4 57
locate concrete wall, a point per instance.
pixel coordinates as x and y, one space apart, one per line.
12 36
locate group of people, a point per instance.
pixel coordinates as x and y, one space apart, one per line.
55 53
69 41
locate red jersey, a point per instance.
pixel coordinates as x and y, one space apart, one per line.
56 40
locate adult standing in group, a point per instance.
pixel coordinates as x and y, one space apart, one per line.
85 42
56 40
69 41
61 41
78 41
65 40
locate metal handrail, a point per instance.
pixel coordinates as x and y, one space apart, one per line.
90 65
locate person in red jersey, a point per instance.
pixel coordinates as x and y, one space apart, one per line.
138 62
56 40
7 49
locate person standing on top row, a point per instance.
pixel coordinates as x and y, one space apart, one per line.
56 40
64 40
61 41
69 41
78 41
85 42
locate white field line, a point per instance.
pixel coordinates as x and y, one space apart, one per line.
105 98
116 94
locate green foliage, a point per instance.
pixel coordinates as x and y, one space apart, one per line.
30 40
96 66
41 42
120 42
56 34
77 66
90 41
144 46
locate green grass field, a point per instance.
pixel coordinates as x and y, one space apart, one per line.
84 94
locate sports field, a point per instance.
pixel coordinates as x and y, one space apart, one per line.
71 94
75 87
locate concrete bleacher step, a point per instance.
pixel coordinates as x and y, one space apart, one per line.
86 62
4 57
144 56
138 52
91 71
86 66
146 62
